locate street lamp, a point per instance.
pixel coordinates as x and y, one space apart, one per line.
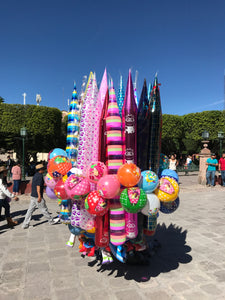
23 133
220 137
205 135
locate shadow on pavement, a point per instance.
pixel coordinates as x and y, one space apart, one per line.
172 252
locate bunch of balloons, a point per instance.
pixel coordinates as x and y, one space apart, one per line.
87 204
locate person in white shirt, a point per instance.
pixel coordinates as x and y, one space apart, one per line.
4 193
173 163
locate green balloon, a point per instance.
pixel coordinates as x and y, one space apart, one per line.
133 199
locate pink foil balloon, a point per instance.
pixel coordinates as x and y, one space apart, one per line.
109 186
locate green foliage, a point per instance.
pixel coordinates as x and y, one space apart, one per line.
2 100
183 134
172 133
43 126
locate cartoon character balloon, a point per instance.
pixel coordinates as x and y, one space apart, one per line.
96 204
49 181
133 199
77 186
96 171
167 190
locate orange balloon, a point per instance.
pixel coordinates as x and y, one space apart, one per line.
129 175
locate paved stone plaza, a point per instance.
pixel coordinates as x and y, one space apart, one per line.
36 264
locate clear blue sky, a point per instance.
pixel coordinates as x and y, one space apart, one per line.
46 45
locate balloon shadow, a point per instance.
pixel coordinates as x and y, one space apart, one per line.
167 257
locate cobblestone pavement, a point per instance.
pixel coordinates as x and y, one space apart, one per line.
36 264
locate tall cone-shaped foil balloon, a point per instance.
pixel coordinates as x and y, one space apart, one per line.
86 141
149 91
120 98
102 131
135 88
114 161
143 126
97 116
155 129
129 124
114 135
73 128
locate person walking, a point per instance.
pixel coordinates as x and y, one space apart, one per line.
16 176
37 199
212 163
9 165
5 195
222 168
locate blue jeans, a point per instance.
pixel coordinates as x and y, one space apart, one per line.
210 177
5 203
16 185
223 177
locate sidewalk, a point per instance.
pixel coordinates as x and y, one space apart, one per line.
36 264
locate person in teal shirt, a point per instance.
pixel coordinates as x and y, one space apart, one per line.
212 163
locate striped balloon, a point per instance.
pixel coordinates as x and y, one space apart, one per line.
73 128
114 153
114 148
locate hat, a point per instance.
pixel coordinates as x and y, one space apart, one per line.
213 154
2 169
39 167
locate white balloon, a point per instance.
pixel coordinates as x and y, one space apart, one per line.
152 206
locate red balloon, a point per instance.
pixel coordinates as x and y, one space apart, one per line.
96 204
60 191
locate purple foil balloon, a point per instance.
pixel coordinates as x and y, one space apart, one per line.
129 124
50 193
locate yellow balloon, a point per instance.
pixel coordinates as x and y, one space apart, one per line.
167 190
91 230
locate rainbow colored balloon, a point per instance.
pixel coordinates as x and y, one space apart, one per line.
120 98
73 128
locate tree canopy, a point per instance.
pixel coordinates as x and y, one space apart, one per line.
43 124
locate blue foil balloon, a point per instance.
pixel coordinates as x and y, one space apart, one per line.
57 151
170 173
149 181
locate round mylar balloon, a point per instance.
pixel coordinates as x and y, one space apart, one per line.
59 166
109 186
56 152
170 173
50 193
96 204
49 181
75 171
129 175
77 186
152 206
59 190
133 199
169 207
167 190
96 171
149 181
